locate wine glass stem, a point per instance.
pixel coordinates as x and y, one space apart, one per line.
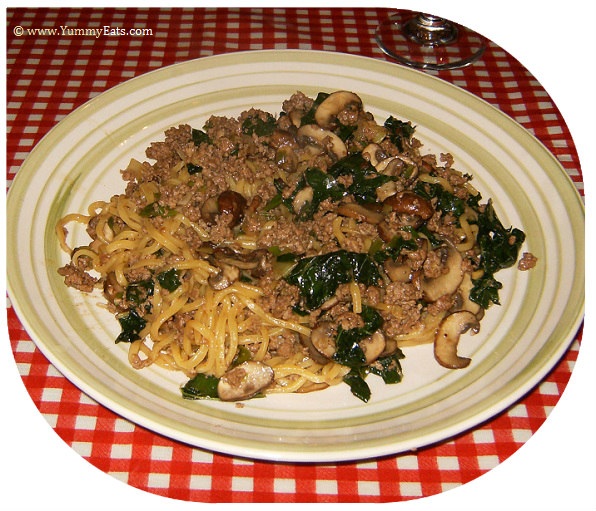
429 30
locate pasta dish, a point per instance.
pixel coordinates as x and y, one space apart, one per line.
292 252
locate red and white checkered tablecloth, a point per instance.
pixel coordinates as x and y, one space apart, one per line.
50 75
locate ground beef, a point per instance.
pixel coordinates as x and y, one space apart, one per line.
278 297
527 261
284 345
77 278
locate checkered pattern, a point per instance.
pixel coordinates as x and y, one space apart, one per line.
50 75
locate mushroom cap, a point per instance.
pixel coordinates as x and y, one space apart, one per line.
447 338
373 346
325 138
244 381
447 283
337 101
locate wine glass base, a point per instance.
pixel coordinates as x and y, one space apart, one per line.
454 47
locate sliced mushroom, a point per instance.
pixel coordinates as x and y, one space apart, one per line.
232 203
327 112
409 203
373 346
447 283
209 209
248 260
447 338
313 353
280 138
322 338
386 190
286 159
400 166
244 381
464 296
390 347
374 154
225 277
302 198
360 212
327 139
296 117
397 272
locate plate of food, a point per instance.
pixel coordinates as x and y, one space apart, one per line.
296 255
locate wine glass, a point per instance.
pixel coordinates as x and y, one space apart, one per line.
426 41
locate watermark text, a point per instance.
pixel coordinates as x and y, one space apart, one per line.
68 31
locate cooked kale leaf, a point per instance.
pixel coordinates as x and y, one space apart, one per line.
486 291
500 246
199 137
169 279
193 169
499 249
132 324
389 367
393 249
138 292
398 131
324 187
318 277
358 387
348 351
309 117
446 201
201 386
365 178
255 125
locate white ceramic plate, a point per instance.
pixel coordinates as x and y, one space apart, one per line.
520 341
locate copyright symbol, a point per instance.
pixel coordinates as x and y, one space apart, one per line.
18 31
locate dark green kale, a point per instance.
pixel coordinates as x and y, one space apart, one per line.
358 386
347 349
139 292
169 279
201 386
393 249
446 201
344 132
399 131
499 249
500 246
486 291
242 355
349 353
309 117
131 324
389 367
193 169
318 277
365 178
199 137
256 125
